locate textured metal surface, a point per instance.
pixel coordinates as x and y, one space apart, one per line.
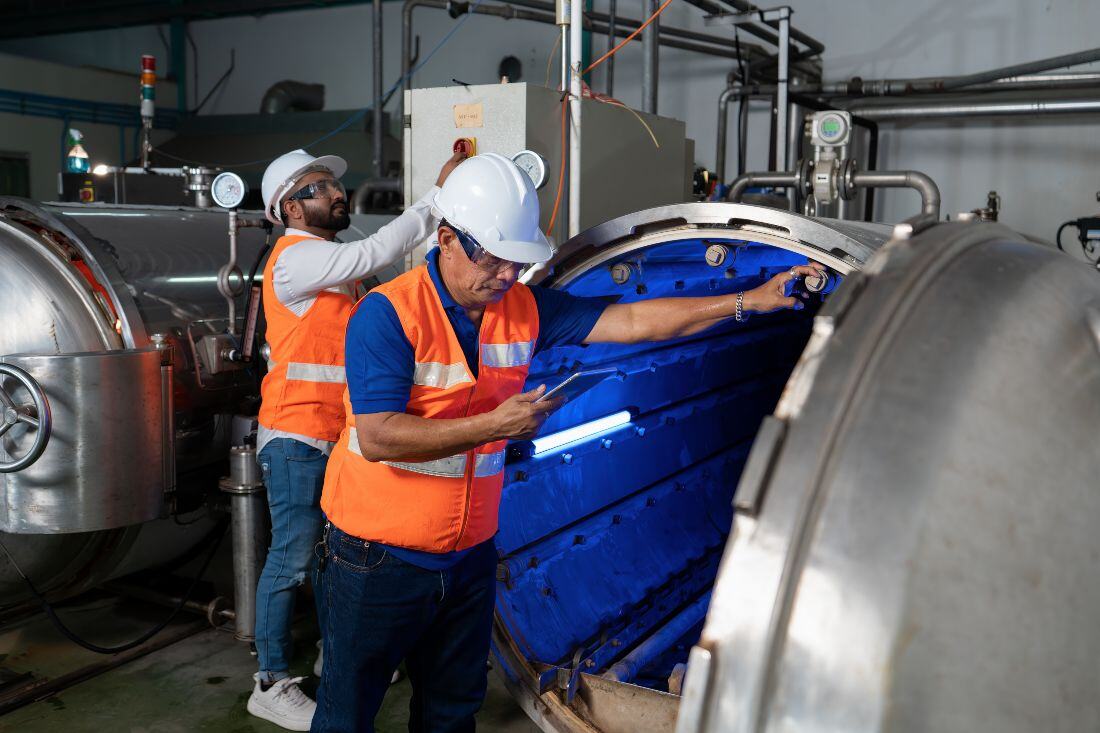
85 480
609 546
924 552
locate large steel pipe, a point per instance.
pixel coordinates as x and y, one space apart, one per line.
976 108
784 179
919 182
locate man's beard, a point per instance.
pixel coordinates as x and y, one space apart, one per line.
328 218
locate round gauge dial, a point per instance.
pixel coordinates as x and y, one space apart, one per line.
228 190
533 164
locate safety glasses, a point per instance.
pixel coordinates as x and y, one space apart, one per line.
478 254
326 188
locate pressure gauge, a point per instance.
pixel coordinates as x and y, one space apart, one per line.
533 164
228 190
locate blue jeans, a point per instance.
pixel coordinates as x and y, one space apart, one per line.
380 610
294 474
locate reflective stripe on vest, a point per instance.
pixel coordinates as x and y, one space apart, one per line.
315 373
305 357
507 355
485 464
450 503
443 376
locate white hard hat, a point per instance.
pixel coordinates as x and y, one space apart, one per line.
283 172
489 198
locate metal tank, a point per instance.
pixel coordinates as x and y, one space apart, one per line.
915 545
610 543
114 419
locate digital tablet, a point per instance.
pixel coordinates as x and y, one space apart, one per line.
579 383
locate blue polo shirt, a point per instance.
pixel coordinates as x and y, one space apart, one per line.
379 359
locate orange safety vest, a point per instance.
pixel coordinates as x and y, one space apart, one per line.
305 379
450 503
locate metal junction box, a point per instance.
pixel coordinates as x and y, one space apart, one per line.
623 169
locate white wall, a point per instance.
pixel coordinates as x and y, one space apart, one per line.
41 137
1045 170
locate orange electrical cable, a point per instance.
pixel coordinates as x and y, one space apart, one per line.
561 168
628 39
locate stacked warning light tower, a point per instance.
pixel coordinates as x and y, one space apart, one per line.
148 104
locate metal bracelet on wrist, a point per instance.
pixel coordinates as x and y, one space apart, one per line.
739 312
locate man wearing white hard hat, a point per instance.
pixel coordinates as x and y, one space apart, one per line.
308 294
436 365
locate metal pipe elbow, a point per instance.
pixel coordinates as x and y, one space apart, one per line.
919 182
369 186
287 95
781 179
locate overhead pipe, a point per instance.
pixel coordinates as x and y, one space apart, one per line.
813 46
679 38
1031 67
612 23
576 53
650 60
561 18
805 39
858 87
629 25
376 32
951 109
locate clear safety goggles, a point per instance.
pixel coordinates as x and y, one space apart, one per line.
478 254
326 188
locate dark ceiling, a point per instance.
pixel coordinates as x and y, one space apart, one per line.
24 18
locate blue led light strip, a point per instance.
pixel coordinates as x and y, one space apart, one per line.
581 432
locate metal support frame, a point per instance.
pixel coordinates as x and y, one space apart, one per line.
650 59
612 22
177 65
376 33
576 41
781 19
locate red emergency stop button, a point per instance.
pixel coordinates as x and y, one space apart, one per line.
467 145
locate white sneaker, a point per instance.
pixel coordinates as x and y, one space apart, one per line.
283 704
319 665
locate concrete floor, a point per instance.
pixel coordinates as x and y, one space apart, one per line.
198 684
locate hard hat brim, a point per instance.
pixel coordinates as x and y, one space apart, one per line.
527 253
334 163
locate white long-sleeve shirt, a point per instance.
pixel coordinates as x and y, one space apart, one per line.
308 268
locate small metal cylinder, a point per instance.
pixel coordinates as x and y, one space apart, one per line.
247 510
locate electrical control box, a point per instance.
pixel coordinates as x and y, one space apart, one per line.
630 161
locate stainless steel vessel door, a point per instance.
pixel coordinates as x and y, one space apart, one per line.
103 465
